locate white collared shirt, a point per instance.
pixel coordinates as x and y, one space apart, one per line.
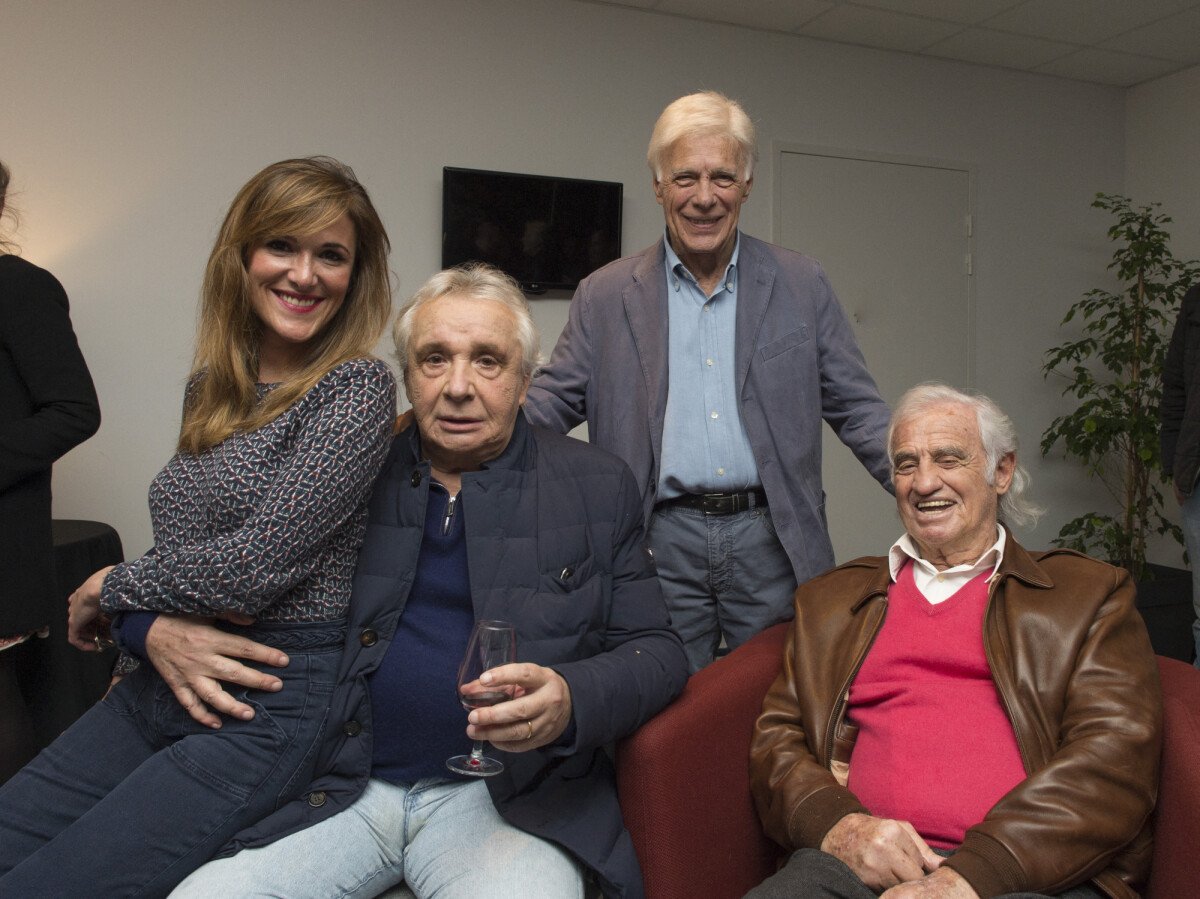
938 586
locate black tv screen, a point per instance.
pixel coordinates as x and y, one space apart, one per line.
548 233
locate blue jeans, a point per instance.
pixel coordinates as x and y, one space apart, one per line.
136 795
440 838
723 576
1190 510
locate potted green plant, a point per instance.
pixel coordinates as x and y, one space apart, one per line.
1114 370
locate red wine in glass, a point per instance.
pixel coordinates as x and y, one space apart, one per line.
482 700
492 643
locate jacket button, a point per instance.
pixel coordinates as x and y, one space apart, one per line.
316 798
352 728
368 637
416 479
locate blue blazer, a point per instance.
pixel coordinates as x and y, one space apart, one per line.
554 545
797 363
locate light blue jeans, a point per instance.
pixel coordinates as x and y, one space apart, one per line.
723 576
440 838
1190 510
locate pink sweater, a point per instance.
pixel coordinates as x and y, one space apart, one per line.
935 746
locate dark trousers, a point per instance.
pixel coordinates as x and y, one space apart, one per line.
135 795
18 743
817 875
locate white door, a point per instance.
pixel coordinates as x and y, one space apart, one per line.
894 238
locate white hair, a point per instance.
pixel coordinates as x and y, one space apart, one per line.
996 432
703 114
478 281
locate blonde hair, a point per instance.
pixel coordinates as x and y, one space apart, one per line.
478 281
296 197
703 114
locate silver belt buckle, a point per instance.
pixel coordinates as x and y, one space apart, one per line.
719 503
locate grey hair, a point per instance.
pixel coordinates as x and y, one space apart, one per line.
996 432
479 282
6 245
703 114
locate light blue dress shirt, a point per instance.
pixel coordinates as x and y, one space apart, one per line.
705 448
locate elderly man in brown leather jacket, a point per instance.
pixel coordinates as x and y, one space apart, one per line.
961 717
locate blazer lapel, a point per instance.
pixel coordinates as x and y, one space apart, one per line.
646 308
756 277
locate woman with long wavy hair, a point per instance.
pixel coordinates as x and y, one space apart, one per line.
258 519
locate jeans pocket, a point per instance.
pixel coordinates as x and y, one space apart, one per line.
125 696
764 516
271 755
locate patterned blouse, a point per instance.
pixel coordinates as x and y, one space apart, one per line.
268 522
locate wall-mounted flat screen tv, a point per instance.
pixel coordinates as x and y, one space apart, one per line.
548 233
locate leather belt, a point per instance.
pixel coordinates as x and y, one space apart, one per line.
719 503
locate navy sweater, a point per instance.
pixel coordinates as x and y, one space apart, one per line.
419 722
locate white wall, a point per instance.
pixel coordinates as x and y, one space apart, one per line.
1162 145
129 125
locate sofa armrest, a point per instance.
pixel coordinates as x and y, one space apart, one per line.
684 781
1175 870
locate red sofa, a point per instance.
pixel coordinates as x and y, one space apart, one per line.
685 789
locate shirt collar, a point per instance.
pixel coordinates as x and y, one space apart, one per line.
904 549
676 269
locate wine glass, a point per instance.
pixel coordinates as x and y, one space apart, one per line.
492 643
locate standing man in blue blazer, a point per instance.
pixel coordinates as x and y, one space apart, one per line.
707 362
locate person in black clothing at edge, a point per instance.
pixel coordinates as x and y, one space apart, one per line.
47 406
1180 433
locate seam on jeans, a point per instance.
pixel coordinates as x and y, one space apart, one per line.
284 794
130 707
203 774
156 884
290 741
378 871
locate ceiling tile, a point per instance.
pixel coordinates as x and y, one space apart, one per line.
1119 42
878 28
775 15
948 10
640 4
998 48
1083 21
1175 37
1108 67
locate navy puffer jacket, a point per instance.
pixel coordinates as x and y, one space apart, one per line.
555 545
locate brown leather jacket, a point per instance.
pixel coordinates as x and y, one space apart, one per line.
1077 677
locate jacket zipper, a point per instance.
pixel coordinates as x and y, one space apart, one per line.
843 700
1004 700
449 515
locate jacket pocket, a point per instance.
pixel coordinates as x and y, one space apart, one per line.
567 578
781 345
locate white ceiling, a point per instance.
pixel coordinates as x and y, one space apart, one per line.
1117 42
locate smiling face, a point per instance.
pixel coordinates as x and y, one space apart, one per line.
465 380
297 286
701 192
942 490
